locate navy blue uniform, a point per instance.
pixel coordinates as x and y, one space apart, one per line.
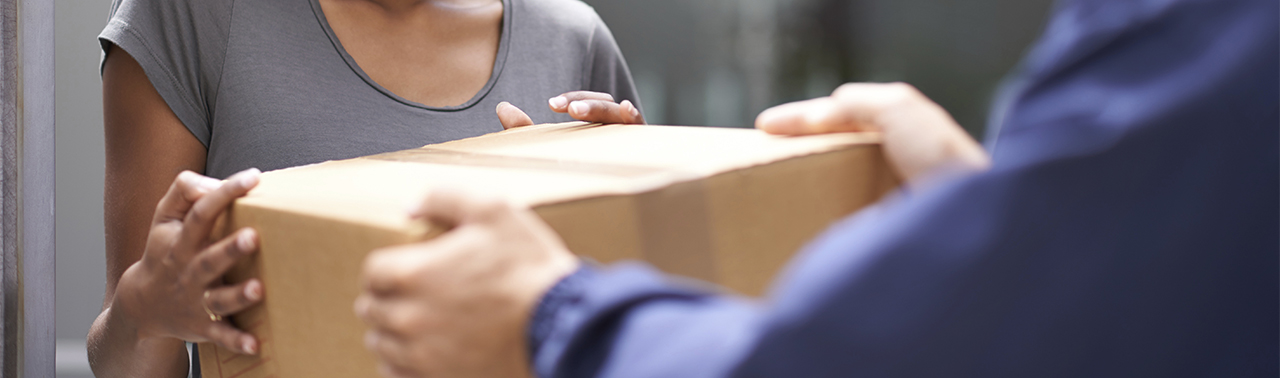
1129 227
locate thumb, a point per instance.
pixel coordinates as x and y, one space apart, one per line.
512 117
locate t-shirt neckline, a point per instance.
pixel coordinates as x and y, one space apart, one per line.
499 61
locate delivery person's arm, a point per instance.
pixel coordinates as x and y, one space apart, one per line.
458 305
159 259
1117 236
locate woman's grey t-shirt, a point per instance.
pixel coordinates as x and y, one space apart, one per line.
266 83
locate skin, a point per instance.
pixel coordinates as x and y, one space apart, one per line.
414 291
459 305
160 258
581 105
395 41
921 140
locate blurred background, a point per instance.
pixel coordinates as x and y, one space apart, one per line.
705 62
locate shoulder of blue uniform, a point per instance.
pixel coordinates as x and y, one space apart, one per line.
1080 28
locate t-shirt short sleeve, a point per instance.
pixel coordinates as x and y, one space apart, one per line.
608 71
180 44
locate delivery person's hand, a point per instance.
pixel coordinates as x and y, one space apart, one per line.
920 138
587 106
458 305
175 291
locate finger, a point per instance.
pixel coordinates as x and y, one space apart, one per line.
394 355
396 317
512 117
631 113
560 104
187 188
199 222
392 270
785 119
228 300
598 111
817 116
231 338
451 208
210 264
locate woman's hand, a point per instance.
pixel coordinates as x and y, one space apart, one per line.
458 305
175 291
587 106
920 138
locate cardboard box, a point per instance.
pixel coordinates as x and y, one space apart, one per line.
728 206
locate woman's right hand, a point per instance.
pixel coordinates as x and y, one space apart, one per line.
594 107
176 289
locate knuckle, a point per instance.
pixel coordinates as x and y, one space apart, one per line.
217 305
185 281
845 89
903 91
398 278
401 321
215 333
377 262
388 278
492 206
199 214
205 266
230 248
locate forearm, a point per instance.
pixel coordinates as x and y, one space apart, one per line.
117 350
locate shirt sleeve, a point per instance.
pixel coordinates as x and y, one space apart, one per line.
1113 236
657 325
608 71
180 44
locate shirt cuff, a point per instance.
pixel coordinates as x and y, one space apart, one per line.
565 293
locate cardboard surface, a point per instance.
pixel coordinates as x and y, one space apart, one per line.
728 206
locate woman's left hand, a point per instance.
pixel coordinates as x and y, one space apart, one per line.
587 106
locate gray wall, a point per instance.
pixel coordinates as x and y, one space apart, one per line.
80 258
706 62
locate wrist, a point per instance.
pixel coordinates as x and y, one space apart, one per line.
126 316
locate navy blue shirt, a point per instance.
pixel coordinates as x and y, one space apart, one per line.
1129 226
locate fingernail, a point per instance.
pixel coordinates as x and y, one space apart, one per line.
578 108
635 113
246 240
248 346
249 178
253 290
502 105
558 102
370 340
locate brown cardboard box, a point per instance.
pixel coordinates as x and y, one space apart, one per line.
724 205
